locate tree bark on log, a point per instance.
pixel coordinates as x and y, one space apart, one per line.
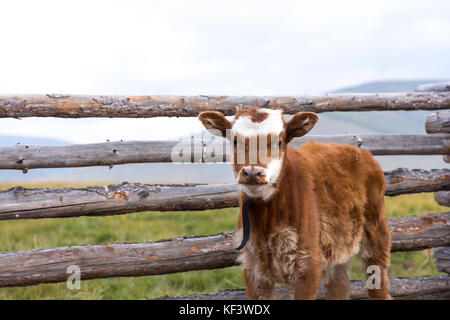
419 232
388 144
25 157
66 106
441 257
442 198
420 288
404 181
21 203
438 122
181 254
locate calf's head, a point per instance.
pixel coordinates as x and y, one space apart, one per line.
258 138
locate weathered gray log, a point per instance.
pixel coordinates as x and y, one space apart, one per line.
433 87
387 144
21 203
442 198
31 267
441 257
419 232
403 181
25 157
420 288
66 106
438 122
81 155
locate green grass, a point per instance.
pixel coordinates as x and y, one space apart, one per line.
146 226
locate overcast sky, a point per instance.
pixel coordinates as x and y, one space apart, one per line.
208 47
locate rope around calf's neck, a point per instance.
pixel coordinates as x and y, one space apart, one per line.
246 224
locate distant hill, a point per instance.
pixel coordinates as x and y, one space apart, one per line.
9 141
412 122
37 174
386 121
330 123
386 86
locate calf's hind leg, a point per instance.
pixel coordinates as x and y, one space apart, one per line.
375 251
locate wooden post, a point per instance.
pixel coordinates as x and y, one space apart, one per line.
442 197
433 87
441 257
439 123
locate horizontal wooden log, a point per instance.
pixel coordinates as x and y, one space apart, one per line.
67 106
441 257
31 267
25 157
438 122
21 203
420 288
419 232
404 181
389 144
433 87
442 198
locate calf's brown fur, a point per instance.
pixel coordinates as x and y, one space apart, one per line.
328 205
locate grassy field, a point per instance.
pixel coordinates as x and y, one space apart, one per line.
147 226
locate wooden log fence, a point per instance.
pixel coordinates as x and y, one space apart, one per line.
30 267
21 203
25 157
182 254
422 288
67 106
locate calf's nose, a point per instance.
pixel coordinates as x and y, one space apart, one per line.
252 174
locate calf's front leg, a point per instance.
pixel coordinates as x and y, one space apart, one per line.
306 282
258 288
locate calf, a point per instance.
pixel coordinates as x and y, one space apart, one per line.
309 209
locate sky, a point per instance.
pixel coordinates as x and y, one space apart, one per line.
208 47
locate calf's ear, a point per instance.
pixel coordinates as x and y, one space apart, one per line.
215 122
300 124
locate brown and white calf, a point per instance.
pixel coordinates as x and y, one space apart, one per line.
311 210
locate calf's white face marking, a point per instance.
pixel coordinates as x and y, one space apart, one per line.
256 172
246 127
273 125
